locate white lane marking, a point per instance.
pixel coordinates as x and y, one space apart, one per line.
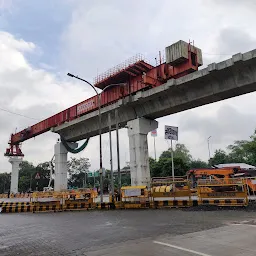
245 225
181 248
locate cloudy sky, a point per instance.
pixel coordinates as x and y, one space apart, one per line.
40 41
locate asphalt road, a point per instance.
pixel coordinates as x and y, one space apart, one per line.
129 232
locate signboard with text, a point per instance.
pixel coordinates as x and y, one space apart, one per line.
154 133
132 192
171 132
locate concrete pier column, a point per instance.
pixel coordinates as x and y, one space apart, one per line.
15 161
61 168
138 130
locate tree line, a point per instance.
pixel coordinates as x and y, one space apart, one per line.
78 176
243 151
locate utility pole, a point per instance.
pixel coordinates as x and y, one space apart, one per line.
111 157
30 183
118 155
173 177
155 147
85 179
208 141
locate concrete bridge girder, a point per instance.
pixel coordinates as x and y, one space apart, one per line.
218 81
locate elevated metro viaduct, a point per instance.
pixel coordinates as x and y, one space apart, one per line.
233 77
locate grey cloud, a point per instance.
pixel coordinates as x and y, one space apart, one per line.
228 125
102 35
234 3
233 40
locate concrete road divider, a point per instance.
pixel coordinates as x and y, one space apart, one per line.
12 204
76 205
47 206
6 207
172 203
224 202
18 208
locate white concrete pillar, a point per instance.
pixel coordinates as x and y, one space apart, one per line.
15 161
138 130
61 168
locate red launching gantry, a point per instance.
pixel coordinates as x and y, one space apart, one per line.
135 75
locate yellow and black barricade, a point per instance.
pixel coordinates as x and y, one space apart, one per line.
47 206
16 207
171 203
223 192
77 205
224 202
134 197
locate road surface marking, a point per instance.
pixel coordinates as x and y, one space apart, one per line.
238 224
181 248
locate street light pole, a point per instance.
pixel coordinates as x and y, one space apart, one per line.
209 147
99 107
100 128
118 155
111 158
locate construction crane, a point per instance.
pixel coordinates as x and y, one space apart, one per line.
52 172
225 174
134 75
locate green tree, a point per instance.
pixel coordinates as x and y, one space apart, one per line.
44 171
5 182
251 147
183 153
180 151
198 164
239 151
27 175
219 157
77 169
163 167
125 180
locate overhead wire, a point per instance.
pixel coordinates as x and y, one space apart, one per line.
14 113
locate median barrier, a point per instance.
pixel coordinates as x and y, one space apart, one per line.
167 192
134 197
223 192
71 205
172 203
9 204
6 207
50 206
16 208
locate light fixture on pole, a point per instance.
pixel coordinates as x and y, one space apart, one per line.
100 124
99 100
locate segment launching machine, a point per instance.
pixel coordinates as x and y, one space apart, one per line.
132 76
